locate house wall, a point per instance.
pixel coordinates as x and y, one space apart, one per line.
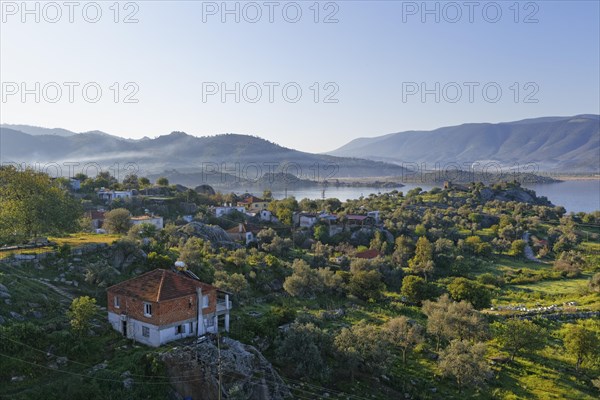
163 313
157 335
307 222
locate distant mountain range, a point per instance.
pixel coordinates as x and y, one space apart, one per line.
201 159
558 144
38 130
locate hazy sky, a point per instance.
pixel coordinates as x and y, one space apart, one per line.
375 61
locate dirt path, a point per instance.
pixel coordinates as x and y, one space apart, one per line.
528 250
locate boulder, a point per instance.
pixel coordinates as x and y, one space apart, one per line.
17 316
243 369
212 233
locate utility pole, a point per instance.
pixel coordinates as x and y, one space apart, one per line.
219 351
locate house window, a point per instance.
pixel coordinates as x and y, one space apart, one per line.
205 301
209 322
147 309
117 302
180 329
145 331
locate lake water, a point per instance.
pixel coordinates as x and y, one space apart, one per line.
575 196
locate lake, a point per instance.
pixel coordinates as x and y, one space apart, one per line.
574 195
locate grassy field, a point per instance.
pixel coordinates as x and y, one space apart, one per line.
74 240
79 239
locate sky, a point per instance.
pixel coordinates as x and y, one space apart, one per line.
307 75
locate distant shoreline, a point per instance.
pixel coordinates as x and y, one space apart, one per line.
577 177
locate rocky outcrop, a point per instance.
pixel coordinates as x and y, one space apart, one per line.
205 189
212 233
244 372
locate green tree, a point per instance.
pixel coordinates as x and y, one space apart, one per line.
32 204
404 334
517 247
156 260
118 220
304 347
366 285
594 284
80 313
422 262
162 181
465 362
447 320
131 181
362 346
403 250
582 343
193 254
234 283
516 335
471 291
284 209
304 280
321 233
415 289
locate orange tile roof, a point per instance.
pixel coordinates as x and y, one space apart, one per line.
159 285
252 199
368 254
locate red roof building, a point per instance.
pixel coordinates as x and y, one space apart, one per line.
368 254
161 305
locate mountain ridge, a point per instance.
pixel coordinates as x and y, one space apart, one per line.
552 143
185 153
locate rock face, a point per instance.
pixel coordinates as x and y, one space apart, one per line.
215 234
245 373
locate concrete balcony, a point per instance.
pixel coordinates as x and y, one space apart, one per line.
222 306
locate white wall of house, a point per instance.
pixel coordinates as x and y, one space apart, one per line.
220 211
307 222
158 336
172 332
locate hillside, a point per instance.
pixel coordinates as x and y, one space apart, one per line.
245 156
559 144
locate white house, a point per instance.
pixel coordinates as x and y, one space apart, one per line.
110 195
148 219
374 215
266 215
306 220
224 210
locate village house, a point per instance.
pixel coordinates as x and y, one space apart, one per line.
227 209
367 254
359 220
305 220
110 195
148 219
253 204
242 233
96 217
267 216
161 306
332 222
374 215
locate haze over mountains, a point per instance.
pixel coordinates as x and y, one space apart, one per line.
243 156
558 144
